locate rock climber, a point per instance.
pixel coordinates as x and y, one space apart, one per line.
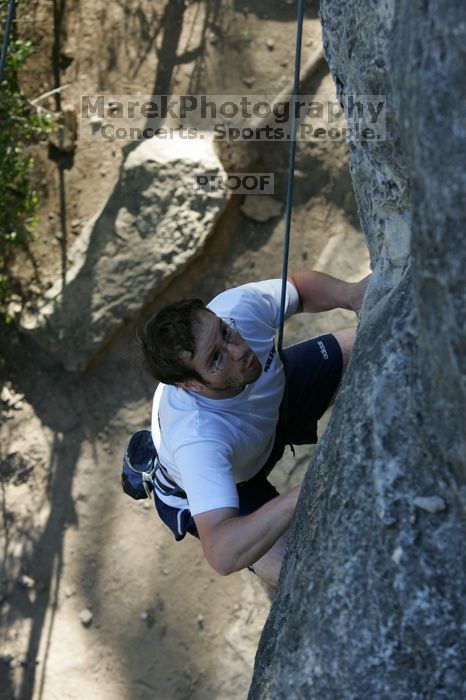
228 404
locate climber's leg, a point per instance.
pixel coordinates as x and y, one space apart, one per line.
268 567
314 369
345 340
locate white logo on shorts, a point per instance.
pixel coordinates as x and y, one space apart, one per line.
323 349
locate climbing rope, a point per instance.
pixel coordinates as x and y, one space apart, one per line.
6 36
291 164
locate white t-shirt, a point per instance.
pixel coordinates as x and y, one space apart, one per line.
209 445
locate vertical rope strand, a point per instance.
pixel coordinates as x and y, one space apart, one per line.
6 36
291 165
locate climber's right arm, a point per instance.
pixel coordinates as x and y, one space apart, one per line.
232 542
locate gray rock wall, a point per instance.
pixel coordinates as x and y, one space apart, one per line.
372 597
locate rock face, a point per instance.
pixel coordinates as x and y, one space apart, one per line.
154 223
371 601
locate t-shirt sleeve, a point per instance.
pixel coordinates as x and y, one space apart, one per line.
271 291
257 300
207 476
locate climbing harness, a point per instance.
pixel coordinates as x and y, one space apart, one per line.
291 164
6 36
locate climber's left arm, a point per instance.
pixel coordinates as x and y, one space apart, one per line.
321 292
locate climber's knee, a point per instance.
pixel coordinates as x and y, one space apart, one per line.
345 339
268 567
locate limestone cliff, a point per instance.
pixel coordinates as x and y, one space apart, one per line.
371 601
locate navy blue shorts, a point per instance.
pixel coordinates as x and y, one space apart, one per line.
313 368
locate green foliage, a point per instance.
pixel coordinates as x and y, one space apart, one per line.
21 125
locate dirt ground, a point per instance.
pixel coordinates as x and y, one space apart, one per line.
96 600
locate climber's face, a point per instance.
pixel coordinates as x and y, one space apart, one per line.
222 358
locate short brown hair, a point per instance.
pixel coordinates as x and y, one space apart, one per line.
166 336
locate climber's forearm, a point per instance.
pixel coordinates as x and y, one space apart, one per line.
321 292
238 541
